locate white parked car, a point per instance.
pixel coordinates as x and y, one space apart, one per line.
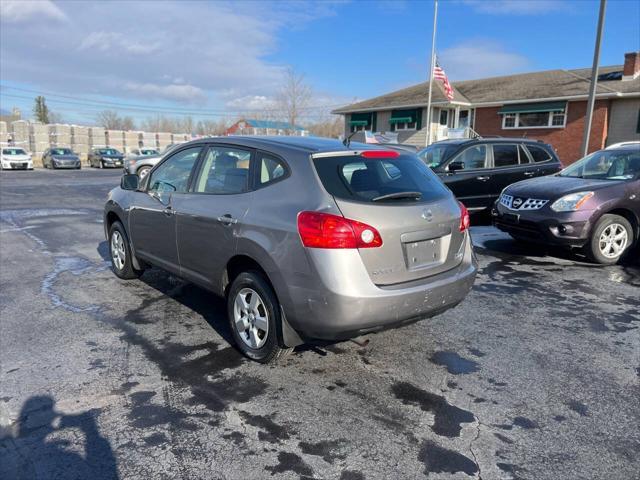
15 158
630 143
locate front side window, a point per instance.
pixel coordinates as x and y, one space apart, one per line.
606 165
505 155
270 169
173 174
225 171
435 155
472 157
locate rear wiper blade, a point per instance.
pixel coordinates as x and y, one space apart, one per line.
389 196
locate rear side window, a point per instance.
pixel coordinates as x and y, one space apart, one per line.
505 155
402 180
270 169
538 154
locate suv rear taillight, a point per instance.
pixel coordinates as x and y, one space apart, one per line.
465 219
324 230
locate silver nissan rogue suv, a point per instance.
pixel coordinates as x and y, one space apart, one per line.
306 238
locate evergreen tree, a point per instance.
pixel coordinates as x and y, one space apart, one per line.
40 110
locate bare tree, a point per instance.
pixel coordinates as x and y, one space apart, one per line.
111 120
294 96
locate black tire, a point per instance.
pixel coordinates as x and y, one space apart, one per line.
126 270
592 249
272 349
101 164
143 169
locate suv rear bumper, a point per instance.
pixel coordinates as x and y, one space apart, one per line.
342 301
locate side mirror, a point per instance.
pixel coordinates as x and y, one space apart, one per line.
455 166
129 182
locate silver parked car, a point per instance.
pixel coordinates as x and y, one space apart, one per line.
306 238
142 164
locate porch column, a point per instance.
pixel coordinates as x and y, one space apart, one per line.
456 118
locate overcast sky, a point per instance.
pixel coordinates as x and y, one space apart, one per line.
228 57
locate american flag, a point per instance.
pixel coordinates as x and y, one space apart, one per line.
438 73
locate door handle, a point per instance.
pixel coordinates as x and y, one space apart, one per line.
227 219
483 178
529 174
168 211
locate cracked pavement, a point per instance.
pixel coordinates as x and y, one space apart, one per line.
536 375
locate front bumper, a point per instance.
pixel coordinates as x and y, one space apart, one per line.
544 226
59 164
342 302
20 165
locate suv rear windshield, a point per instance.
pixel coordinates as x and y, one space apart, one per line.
400 180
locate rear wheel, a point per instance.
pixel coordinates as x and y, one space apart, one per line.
120 252
254 316
611 237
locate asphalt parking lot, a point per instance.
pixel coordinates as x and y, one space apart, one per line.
536 375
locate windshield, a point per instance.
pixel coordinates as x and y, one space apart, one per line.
61 151
108 151
13 151
399 180
606 165
148 152
435 155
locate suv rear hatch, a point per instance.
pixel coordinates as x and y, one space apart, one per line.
415 214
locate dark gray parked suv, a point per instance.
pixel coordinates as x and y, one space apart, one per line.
305 237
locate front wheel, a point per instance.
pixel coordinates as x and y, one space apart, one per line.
611 237
254 316
143 171
120 252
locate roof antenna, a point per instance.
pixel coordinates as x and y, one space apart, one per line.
347 141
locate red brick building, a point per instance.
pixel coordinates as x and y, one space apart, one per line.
549 106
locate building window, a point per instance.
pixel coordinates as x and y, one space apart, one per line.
638 126
360 122
403 126
406 119
444 117
554 119
509 120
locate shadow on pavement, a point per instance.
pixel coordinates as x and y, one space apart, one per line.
26 453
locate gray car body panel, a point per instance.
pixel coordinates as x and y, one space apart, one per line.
324 293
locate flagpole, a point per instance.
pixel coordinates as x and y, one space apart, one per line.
433 52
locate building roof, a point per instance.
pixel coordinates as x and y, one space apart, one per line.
550 84
271 124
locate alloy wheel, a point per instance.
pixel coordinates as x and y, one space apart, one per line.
613 240
251 318
118 253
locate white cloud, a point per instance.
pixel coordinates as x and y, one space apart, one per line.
175 92
179 51
479 59
252 102
517 7
17 11
117 43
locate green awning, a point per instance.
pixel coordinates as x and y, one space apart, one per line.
533 107
401 120
358 122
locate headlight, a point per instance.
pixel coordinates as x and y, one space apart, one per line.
571 202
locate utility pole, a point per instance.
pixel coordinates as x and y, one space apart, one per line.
594 80
433 54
